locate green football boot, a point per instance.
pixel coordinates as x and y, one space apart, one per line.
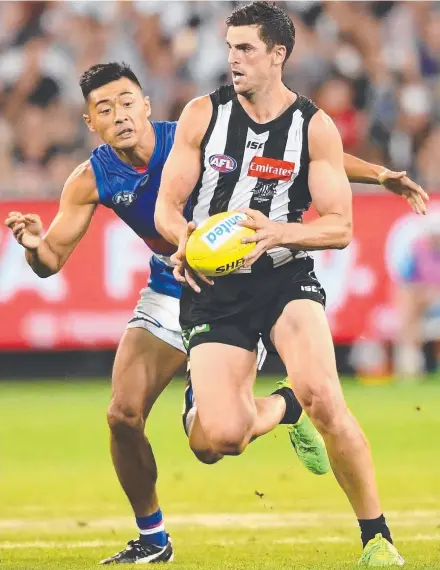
307 442
379 552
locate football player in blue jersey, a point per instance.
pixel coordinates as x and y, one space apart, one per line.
124 175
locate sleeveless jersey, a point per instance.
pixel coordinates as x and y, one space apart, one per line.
132 195
252 165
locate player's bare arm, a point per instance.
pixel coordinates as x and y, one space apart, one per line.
47 254
331 195
182 169
399 183
180 175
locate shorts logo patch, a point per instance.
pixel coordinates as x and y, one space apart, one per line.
189 333
124 198
222 163
271 169
309 288
219 234
199 329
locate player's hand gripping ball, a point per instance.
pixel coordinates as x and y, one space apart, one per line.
215 248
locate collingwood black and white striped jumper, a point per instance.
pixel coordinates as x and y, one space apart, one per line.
253 165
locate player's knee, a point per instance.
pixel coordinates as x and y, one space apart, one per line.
124 420
208 457
205 454
229 441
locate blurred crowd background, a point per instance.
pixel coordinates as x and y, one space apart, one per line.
373 66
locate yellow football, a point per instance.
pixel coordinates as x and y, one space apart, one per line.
215 248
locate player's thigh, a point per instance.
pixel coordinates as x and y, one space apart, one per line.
150 353
223 376
303 340
144 366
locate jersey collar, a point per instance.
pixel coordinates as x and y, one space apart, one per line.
155 157
259 128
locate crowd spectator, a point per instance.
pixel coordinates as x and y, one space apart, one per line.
373 66
418 298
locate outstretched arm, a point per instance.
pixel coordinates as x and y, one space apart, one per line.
47 255
399 183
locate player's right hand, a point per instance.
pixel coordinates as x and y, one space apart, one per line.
182 271
26 228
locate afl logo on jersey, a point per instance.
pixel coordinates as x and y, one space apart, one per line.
222 163
124 198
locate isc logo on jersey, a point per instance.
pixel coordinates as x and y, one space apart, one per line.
215 247
222 163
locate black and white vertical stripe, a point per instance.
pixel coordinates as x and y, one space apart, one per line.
233 134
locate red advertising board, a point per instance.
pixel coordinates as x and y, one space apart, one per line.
89 302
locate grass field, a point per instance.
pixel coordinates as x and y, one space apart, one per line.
61 506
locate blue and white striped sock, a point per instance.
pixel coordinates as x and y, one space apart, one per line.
152 529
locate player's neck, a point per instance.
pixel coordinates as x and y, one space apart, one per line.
140 155
268 103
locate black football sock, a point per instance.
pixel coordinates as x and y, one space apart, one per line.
293 407
371 527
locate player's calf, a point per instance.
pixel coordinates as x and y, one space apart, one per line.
329 413
326 409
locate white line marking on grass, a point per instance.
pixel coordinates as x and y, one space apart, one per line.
292 540
58 545
223 520
337 539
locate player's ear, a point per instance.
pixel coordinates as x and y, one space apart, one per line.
278 54
88 122
147 106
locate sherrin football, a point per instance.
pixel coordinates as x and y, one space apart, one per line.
215 248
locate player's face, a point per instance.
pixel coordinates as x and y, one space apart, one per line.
252 65
119 113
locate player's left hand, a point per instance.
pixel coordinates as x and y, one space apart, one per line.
268 234
182 271
402 185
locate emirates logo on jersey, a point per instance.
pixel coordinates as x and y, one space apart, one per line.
222 163
271 169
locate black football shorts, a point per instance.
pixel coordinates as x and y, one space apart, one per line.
240 309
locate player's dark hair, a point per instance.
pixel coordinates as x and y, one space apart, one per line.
103 73
276 27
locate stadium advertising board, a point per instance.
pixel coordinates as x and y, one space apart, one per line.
89 302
